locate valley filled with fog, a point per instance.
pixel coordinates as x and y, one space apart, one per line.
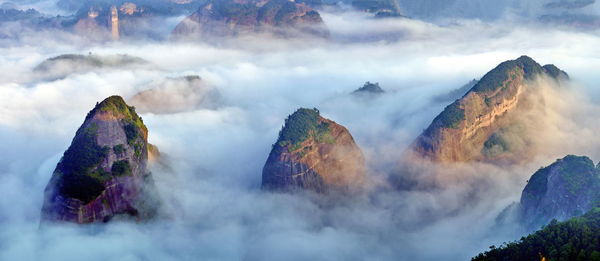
213 206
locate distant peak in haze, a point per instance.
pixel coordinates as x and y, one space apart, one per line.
369 88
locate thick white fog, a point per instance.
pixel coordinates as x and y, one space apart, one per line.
213 206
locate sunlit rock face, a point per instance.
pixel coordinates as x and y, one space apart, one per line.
567 188
224 18
313 153
483 123
103 173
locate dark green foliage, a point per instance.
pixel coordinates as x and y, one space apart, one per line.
496 77
576 171
82 187
119 149
298 125
78 180
576 239
131 131
495 144
84 154
555 72
451 117
137 148
301 125
117 106
121 168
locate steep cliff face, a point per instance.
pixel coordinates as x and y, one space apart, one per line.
465 130
313 153
103 173
221 18
567 188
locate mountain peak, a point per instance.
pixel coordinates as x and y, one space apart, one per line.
313 153
103 172
301 125
370 88
461 130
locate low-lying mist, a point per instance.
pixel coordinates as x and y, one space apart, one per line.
214 207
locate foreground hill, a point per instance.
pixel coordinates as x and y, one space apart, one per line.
313 153
103 173
576 239
476 126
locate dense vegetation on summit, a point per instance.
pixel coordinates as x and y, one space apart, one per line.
502 72
301 125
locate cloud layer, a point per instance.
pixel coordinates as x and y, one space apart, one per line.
216 210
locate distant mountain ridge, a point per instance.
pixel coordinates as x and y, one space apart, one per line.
226 18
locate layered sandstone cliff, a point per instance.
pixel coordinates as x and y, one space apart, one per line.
103 172
313 153
467 127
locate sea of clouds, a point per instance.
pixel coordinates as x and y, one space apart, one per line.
214 207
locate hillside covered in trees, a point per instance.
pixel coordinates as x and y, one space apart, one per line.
575 239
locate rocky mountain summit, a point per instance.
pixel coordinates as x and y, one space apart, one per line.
477 126
103 173
313 153
224 18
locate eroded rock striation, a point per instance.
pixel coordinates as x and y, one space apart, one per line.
224 18
313 153
472 127
103 172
